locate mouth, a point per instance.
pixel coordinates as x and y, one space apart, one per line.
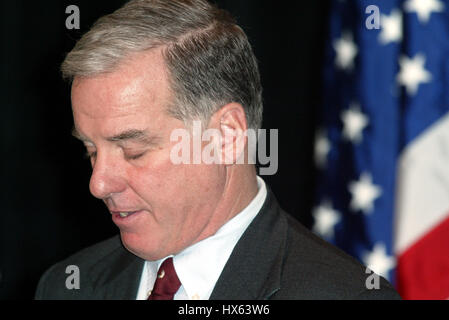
123 214
127 220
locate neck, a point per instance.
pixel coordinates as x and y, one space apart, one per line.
239 190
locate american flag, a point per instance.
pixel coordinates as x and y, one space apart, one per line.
382 144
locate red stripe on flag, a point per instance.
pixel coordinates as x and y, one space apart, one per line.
423 269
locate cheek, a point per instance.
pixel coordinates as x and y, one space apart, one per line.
167 187
157 180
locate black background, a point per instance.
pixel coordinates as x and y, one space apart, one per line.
47 212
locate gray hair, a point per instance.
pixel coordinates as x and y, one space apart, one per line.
209 58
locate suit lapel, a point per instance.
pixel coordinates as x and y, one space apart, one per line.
119 280
253 270
125 284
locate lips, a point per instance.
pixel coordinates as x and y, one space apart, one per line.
127 220
123 213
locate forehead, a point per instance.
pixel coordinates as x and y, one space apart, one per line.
138 84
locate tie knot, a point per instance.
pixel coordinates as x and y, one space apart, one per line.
167 282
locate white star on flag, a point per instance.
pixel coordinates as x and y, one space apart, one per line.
364 193
345 50
322 148
354 121
326 218
423 8
412 73
378 260
391 27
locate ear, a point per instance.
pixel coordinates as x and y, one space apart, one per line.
231 122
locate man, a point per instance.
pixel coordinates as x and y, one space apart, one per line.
196 230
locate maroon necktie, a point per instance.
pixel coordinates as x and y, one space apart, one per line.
167 282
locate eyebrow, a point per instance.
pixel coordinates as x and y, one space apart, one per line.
79 136
132 134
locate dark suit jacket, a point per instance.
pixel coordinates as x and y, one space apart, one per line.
276 258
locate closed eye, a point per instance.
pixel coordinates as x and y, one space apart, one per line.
134 156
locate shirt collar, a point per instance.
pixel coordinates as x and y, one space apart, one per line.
200 265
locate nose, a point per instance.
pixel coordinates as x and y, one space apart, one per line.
106 178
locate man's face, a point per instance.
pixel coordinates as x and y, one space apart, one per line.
122 119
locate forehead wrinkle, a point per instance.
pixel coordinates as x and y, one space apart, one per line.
138 95
139 80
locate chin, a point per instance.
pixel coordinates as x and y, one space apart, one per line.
143 248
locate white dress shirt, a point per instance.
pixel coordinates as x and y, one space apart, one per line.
199 266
